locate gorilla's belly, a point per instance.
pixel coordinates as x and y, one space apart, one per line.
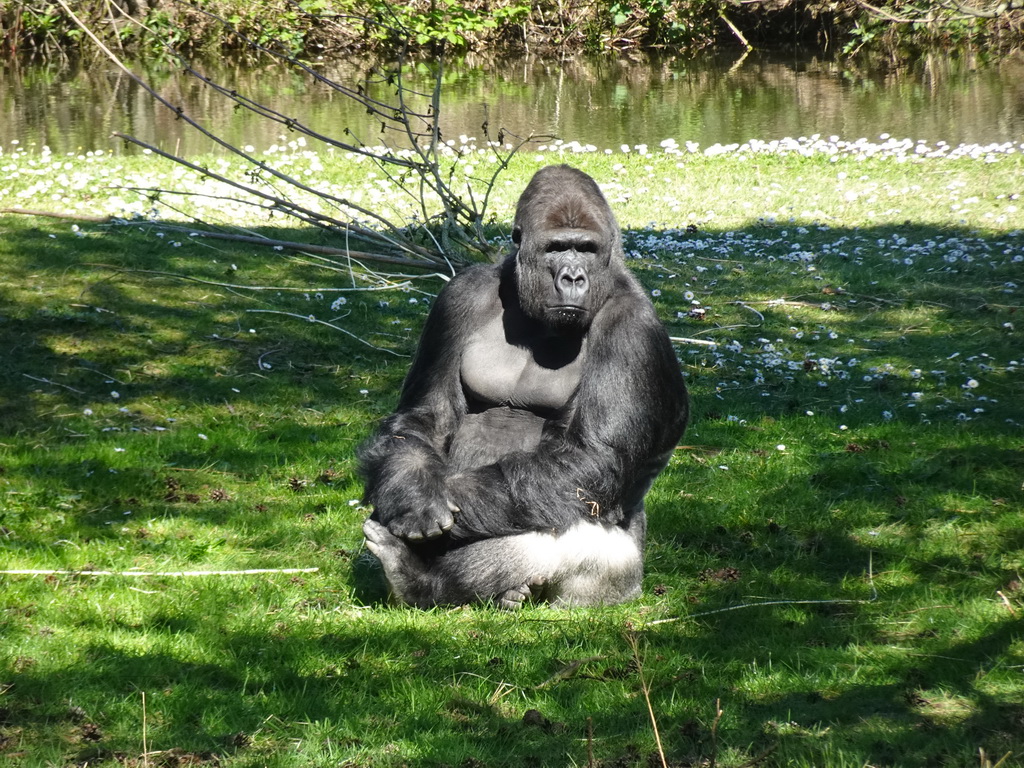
485 437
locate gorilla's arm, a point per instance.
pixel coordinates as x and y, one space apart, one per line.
404 464
627 414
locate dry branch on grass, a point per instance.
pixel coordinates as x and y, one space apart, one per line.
413 155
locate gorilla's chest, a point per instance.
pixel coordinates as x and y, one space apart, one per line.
539 376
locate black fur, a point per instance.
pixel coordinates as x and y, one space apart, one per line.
544 398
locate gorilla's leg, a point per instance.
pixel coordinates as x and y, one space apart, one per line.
505 569
590 564
599 564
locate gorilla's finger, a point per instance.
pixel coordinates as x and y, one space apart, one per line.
412 534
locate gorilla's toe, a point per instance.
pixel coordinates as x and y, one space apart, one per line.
515 597
380 541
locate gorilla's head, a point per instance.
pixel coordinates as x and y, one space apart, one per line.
569 249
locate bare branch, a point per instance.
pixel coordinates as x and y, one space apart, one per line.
314 319
941 10
452 236
995 10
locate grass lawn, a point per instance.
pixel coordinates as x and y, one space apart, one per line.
834 572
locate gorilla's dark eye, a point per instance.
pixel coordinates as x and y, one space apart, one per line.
580 246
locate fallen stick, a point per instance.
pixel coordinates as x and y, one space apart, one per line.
58 215
312 248
699 342
248 572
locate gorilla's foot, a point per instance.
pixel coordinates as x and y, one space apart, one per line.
381 542
515 597
404 571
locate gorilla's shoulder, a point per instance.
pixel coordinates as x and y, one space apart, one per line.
477 277
474 289
630 302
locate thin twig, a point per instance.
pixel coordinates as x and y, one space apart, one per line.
699 342
58 215
238 287
145 746
758 758
646 690
312 319
714 733
735 30
284 205
567 671
1006 602
728 609
53 383
247 572
748 307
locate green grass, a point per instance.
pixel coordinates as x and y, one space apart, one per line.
855 460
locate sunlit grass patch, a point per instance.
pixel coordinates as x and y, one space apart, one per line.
835 548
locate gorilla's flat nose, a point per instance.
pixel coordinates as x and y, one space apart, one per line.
571 283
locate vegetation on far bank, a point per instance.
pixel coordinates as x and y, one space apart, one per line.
834 571
324 27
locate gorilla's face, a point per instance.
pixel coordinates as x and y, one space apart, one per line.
568 247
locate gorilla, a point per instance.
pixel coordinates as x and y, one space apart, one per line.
543 400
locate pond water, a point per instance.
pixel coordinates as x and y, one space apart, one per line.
605 102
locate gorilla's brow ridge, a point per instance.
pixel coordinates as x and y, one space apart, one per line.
573 212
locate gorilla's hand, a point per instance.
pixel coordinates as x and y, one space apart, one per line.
416 512
405 483
415 524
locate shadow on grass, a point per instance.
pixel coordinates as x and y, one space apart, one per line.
908 522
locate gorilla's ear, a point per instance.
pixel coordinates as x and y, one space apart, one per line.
517 235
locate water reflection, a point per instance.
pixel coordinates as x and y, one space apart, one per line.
605 102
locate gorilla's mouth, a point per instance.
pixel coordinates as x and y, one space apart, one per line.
568 313
567 318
